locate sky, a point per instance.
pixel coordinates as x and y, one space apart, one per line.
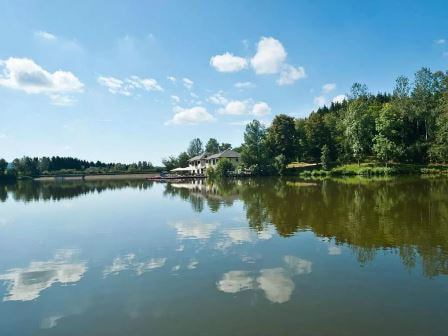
124 81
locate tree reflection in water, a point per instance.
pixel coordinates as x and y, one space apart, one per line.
408 216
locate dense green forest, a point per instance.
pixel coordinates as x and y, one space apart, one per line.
32 167
409 125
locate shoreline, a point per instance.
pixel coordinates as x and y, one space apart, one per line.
142 176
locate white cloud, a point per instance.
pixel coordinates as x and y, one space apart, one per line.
261 109
218 99
171 78
147 84
269 57
191 116
339 98
61 100
127 86
25 75
244 85
45 35
245 107
329 87
114 85
235 107
440 41
176 99
188 83
228 62
319 101
289 74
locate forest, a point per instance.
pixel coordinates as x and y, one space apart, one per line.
33 167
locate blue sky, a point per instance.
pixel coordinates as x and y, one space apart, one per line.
137 80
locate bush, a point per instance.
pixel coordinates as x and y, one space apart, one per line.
224 168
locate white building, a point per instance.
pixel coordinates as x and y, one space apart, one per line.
198 164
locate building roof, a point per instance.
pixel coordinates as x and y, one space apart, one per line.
199 157
229 153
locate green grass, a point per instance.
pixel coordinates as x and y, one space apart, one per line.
371 169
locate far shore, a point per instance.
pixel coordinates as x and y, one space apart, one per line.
97 177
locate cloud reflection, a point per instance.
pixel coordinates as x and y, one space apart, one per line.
25 284
129 262
194 229
276 283
334 250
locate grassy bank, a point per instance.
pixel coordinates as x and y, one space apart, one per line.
372 169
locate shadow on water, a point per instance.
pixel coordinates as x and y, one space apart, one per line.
407 216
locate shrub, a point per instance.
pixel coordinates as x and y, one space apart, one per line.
224 168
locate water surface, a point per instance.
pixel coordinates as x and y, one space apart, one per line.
245 257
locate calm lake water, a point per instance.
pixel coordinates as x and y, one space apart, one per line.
247 257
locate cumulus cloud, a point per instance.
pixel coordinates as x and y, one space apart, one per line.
235 107
148 84
190 116
176 99
289 74
188 83
244 85
319 101
45 35
261 109
246 107
269 57
218 99
327 88
128 85
440 41
339 98
171 78
227 62
25 75
114 85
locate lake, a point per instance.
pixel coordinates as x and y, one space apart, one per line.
241 257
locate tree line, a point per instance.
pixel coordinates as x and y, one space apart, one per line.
409 125
33 166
